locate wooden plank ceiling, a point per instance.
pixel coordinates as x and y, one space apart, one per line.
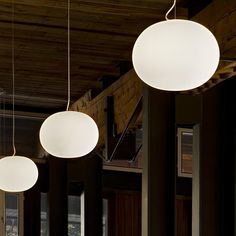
102 35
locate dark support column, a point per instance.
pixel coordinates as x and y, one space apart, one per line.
32 211
88 171
158 179
210 147
93 197
228 158
217 160
57 197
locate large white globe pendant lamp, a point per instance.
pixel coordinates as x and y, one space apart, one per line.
175 55
69 134
17 173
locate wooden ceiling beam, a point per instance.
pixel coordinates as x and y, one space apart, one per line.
49 33
104 17
225 71
123 8
220 18
126 93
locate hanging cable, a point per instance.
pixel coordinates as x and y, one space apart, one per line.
175 10
68 55
13 79
172 7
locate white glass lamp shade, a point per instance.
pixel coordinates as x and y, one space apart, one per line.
175 55
17 173
69 134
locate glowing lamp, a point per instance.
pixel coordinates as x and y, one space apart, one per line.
69 134
17 173
175 55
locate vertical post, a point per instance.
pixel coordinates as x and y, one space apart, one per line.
195 182
217 160
109 126
32 211
88 171
210 149
57 197
158 179
93 197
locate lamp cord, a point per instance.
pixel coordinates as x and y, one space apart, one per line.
13 79
172 7
68 55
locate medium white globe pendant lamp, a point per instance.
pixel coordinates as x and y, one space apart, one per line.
69 134
17 173
175 55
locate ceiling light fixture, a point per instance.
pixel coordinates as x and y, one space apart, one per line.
17 173
175 55
69 134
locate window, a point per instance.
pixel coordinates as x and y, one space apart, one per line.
11 212
74 216
185 152
44 215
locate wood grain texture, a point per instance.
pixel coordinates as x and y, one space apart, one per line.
102 36
220 18
126 92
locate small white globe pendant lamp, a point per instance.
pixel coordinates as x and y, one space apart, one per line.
17 173
69 134
175 55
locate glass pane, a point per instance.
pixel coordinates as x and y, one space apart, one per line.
74 216
187 152
44 214
11 201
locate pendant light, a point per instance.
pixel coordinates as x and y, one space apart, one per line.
175 55
17 173
69 134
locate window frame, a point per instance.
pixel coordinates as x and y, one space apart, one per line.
180 131
20 204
